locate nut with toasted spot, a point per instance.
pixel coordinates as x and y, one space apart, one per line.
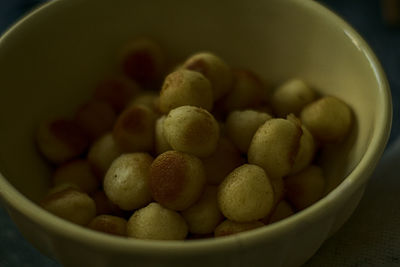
109 224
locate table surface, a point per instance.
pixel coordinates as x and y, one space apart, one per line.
376 243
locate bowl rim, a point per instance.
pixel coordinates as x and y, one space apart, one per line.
351 183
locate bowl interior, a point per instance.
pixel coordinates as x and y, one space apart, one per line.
50 62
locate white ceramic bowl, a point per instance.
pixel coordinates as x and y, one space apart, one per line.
50 60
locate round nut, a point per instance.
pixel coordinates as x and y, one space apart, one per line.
214 69
328 119
246 194
291 97
134 129
242 125
229 227
176 180
71 205
191 130
60 140
204 215
77 172
102 153
274 146
185 87
156 222
109 224
126 182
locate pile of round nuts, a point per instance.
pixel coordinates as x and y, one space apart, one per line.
199 151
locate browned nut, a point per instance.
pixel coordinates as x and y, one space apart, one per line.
328 119
224 160
60 140
71 205
102 153
134 129
214 69
229 227
77 172
291 97
109 224
117 91
176 180
192 130
156 222
185 87
246 194
306 187
95 118
242 125
143 60
126 182
204 215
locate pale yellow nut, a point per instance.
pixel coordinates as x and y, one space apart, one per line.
176 180
95 118
274 146
156 222
102 153
214 69
60 140
328 119
204 215
117 91
242 125
192 130
246 194
77 172
109 224
306 187
291 97
161 143
306 152
247 91
185 87
229 227
143 61
126 182
225 159
134 129
71 205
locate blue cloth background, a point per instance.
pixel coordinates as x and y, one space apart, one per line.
363 15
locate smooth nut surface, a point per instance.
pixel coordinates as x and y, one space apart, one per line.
214 69
274 146
246 194
191 130
185 87
328 119
229 227
109 224
156 222
126 182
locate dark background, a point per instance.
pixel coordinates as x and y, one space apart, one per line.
364 15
